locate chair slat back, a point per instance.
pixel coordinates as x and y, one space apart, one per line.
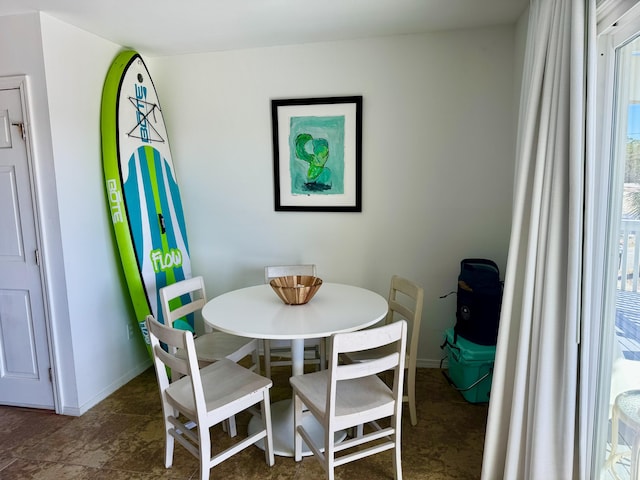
411 311
167 361
184 310
409 289
193 287
364 369
393 333
366 339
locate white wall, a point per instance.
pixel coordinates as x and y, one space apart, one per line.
437 161
88 307
76 64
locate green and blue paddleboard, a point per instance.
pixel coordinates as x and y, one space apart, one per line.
142 191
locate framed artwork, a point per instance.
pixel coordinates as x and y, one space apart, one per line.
317 154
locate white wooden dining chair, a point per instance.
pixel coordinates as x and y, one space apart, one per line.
349 395
277 349
205 397
187 297
406 299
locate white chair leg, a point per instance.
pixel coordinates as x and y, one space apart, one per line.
168 449
255 360
205 453
397 463
411 391
267 359
266 421
169 440
329 454
635 458
397 458
613 458
323 353
297 420
233 431
229 426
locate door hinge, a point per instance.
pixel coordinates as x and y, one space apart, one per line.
50 375
37 252
23 132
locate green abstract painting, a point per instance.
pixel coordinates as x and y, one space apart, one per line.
317 154
317 160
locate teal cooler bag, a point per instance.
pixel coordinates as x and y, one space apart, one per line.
470 367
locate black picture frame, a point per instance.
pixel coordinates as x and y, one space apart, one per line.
317 154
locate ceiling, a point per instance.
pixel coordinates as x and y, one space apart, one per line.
171 27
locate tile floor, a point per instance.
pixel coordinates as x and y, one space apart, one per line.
122 438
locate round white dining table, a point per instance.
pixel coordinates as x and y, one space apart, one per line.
257 312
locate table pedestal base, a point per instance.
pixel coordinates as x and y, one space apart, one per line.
282 425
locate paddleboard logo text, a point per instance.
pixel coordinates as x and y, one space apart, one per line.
145 332
146 122
141 113
162 261
115 201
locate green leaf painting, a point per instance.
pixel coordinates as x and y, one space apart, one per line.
317 155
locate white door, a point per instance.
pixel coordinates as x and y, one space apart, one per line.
25 378
617 196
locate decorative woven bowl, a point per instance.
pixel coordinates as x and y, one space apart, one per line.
296 289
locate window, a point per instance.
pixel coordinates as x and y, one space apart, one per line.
616 315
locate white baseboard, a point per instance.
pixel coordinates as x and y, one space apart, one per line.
123 380
431 363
